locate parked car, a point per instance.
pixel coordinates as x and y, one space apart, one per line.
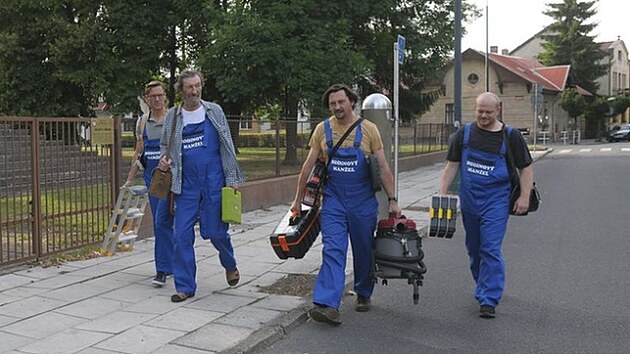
619 132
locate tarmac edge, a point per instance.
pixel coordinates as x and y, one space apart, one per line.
272 332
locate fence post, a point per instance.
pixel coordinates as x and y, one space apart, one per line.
36 204
277 174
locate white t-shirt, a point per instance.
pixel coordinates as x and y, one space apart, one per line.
193 117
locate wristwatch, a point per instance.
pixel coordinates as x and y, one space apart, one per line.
392 199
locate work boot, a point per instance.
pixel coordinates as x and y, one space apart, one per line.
364 304
326 315
487 311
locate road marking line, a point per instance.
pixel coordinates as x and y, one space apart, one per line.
565 151
585 150
605 149
625 149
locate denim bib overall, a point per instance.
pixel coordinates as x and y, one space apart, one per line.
200 199
162 221
349 207
484 195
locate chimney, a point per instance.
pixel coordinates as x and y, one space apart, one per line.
504 52
494 49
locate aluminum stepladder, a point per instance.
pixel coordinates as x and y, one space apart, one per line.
126 218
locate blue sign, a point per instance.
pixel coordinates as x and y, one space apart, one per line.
401 49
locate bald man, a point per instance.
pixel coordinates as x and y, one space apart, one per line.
478 152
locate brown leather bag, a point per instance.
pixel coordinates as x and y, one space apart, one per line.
161 180
160 183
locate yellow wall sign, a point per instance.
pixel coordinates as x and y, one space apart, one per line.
102 131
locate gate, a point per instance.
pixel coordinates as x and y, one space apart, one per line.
56 190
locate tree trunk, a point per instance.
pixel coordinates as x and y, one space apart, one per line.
290 116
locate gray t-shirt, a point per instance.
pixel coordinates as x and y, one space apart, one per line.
153 128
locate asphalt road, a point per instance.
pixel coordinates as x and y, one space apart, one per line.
568 277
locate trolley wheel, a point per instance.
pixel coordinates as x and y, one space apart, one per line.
416 295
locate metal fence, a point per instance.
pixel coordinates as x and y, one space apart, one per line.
265 152
57 189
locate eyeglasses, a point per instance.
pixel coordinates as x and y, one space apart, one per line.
154 97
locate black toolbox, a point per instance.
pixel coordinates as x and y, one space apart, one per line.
295 234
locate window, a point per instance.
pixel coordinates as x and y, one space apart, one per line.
473 78
449 113
619 57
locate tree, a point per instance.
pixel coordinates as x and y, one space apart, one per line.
619 104
573 103
595 114
428 27
289 51
253 52
281 52
29 84
568 43
61 57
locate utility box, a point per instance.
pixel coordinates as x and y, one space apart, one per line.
378 109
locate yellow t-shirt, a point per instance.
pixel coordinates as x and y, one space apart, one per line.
371 137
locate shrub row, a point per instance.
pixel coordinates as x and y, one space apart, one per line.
269 139
244 140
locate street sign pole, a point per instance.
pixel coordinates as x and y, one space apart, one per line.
537 102
399 57
535 112
396 84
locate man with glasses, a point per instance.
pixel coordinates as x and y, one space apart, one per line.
145 158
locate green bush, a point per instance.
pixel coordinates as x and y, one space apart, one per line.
127 141
268 139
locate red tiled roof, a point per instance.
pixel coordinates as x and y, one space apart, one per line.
557 75
582 91
552 78
605 45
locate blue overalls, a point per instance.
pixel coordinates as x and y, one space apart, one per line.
484 195
162 220
200 199
349 207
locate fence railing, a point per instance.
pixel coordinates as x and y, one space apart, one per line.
57 189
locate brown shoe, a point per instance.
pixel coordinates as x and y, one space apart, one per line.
232 277
179 297
325 314
363 304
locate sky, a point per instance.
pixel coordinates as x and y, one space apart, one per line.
512 22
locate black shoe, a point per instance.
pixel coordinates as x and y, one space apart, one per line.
179 297
325 314
159 280
363 304
487 311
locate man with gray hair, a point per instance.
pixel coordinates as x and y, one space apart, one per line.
203 161
478 152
